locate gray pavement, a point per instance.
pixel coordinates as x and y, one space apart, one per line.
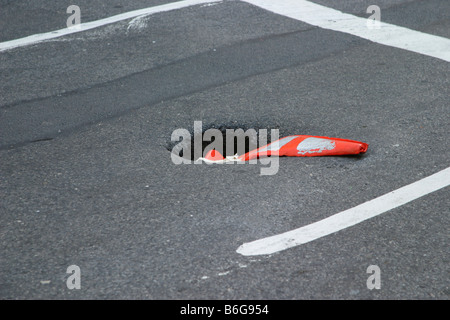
86 176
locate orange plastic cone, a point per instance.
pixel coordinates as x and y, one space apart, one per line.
297 146
214 155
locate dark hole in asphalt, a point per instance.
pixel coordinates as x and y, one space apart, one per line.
231 138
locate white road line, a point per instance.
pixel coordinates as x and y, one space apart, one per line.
348 217
33 39
387 34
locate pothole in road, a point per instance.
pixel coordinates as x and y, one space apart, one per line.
229 139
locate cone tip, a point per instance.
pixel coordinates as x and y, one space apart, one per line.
364 147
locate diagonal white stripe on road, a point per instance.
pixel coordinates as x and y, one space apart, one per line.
348 217
36 38
387 34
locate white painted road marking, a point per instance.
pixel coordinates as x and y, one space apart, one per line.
347 218
387 34
311 13
36 38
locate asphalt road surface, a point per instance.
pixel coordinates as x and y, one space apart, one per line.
86 176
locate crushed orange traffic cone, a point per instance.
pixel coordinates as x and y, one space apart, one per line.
296 146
